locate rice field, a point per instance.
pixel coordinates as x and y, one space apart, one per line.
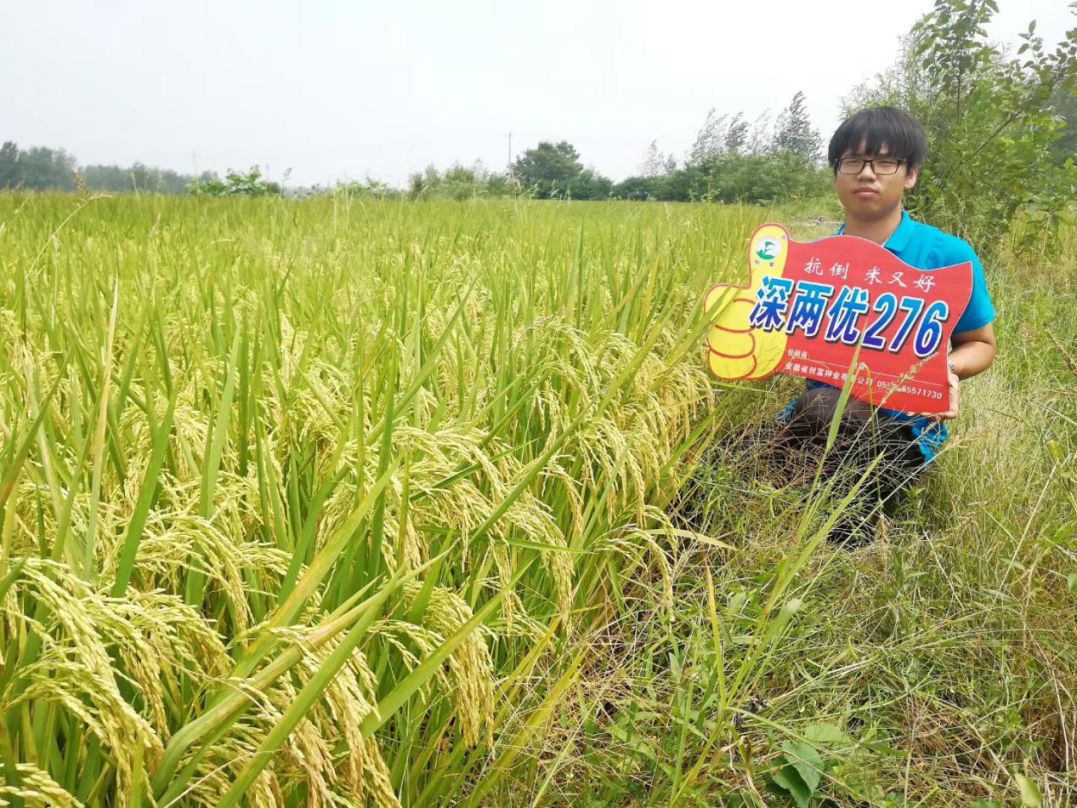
335 503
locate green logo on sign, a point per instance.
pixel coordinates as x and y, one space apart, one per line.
767 250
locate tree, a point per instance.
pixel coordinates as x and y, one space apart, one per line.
736 134
759 179
794 134
9 165
548 169
722 134
710 140
137 178
637 188
992 121
1065 105
589 184
369 188
237 183
760 140
44 169
459 182
41 168
657 164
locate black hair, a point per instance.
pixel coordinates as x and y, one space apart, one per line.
876 127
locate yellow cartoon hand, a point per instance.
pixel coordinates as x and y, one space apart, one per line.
735 349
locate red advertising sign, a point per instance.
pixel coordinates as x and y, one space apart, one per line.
810 306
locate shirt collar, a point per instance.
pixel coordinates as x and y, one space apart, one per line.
899 238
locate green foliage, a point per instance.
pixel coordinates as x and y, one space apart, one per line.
803 763
37 168
747 178
761 178
548 169
9 165
794 133
138 178
236 183
1064 103
732 161
674 186
1031 797
367 189
993 122
554 171
459 182
44 169
589 184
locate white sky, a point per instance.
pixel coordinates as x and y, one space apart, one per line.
339 90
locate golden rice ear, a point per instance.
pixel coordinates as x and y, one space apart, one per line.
471 666
91 641
36 788
247 487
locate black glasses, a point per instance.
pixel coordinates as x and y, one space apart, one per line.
879 165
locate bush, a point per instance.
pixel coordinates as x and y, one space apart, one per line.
237 184
992 121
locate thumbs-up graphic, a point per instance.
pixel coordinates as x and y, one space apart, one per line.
737 350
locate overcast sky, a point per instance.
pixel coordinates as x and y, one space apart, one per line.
340 90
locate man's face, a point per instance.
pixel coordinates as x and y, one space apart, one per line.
869 194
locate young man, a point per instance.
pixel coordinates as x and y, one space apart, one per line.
876 157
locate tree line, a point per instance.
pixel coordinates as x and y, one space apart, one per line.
40 168
1001 124
729 162
1002 127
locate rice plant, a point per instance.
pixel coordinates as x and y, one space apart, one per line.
334 503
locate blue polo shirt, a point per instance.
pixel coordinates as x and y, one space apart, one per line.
925 247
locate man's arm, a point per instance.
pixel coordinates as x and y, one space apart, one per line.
973 352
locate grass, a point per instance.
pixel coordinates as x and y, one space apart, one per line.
342 503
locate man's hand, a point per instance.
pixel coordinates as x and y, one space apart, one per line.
973 352
955 393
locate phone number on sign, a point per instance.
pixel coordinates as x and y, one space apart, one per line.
911 389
